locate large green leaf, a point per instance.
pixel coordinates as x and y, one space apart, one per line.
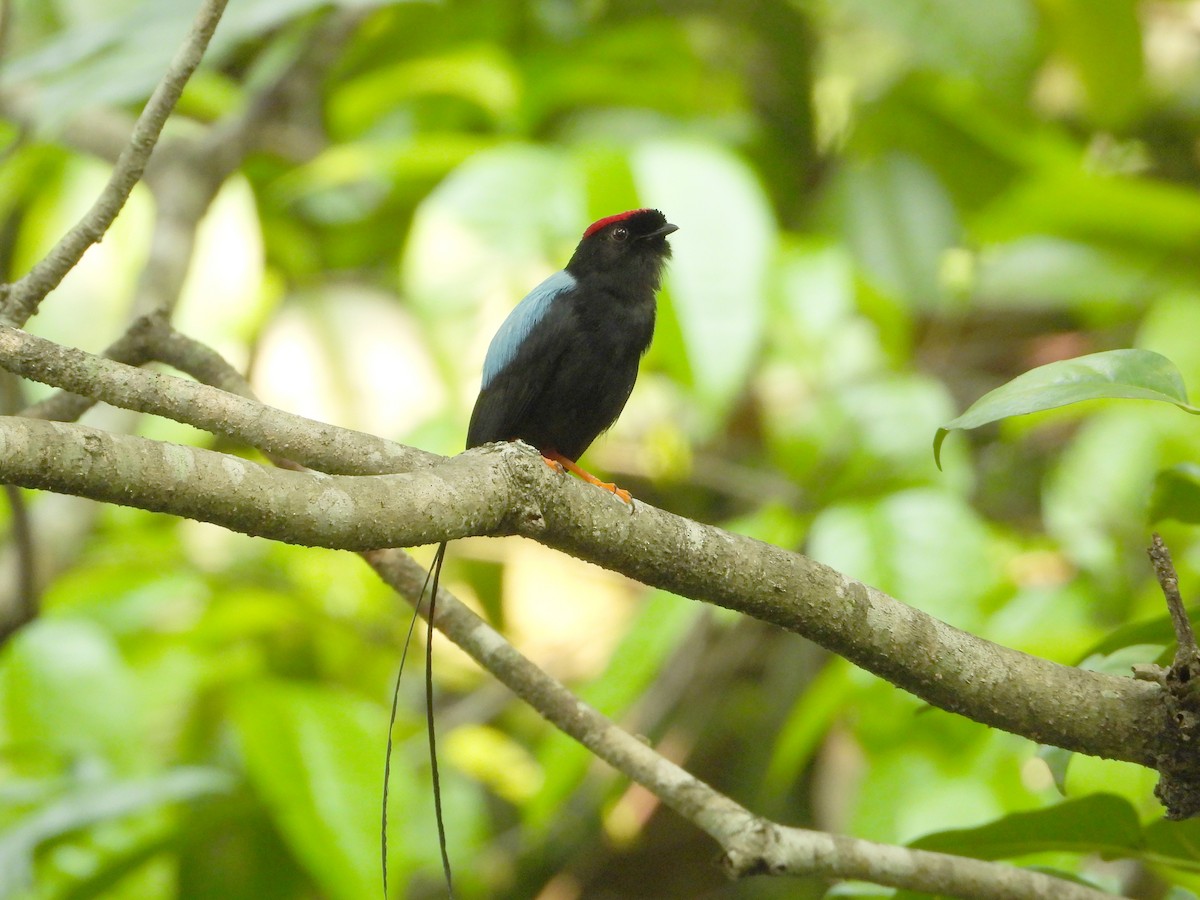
118 54
899 221
718 276
924 544
1100 823
68 693
315 756
1113 374
1103 41
1174 844
91 803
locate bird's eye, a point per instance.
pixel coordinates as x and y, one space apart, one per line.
620 233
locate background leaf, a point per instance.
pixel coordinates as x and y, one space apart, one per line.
1114 374
1097 824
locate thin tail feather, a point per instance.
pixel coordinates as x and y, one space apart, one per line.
433 763
435 572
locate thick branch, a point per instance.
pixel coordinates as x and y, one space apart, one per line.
25 295
342 512
752 845
315 444
506 489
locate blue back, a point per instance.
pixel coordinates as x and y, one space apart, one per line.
521 322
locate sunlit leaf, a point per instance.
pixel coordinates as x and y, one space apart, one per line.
1113 374
314 754
1103 40
1174 843
121 54
718 272
1100 823
925 545
91 803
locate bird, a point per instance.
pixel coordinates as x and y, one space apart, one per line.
562 366
556 375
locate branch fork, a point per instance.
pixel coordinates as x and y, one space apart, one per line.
1178 787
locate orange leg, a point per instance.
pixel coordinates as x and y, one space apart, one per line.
556 460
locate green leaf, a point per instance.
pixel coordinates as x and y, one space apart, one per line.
91 803
69 693
315 756
1103 41
1174 843
923 544
1100 823
806 725
1177 494
120 54
718 274
1113 374
899 221
995 43
1156 632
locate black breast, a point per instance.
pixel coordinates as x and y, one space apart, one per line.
572 376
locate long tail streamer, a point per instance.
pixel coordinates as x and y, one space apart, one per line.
435 572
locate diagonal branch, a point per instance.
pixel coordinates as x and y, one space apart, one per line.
1084 711
315 444
504 489
25 295
751 845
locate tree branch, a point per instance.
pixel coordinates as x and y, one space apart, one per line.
1179 793
25 295
317 445
1087 712
505 489
752 845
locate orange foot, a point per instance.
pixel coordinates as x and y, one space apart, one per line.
557 461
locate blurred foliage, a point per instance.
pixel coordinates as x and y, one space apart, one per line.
888 208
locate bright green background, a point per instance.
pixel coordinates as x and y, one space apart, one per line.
887 208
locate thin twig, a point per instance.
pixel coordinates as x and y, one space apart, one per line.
1177 788
751 845
25 295
133 348
1186 652
326 448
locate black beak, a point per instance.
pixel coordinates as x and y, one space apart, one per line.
661 232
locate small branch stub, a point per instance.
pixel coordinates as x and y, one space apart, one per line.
1179 783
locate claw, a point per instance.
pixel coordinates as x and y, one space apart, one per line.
557 461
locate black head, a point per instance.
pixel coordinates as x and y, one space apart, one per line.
632 245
